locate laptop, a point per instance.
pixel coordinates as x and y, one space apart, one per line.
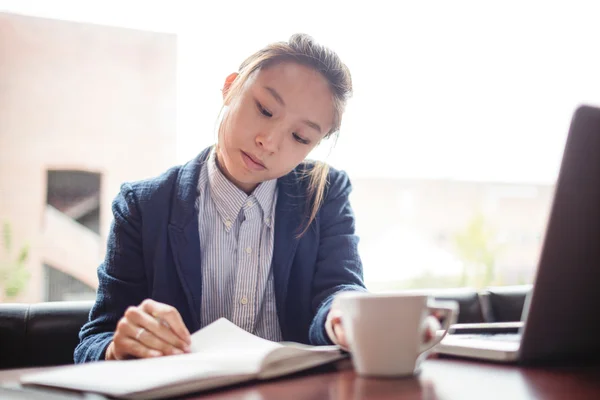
561 315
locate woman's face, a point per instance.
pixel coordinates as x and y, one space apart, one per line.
274 121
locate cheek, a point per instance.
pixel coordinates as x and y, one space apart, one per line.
242 123
301 151
292 155
230 128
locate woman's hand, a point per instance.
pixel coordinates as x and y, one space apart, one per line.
334 320
151 329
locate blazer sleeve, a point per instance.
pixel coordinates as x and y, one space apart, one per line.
122 280
339 267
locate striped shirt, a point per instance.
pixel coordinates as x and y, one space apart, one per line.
237 236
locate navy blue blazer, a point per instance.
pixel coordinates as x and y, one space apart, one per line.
154 252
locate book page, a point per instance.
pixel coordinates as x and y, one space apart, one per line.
224 334
229 346
222 353
220 349
121 378
296 357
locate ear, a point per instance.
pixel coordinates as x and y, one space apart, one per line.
228 82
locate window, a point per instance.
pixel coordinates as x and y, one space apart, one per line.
64 287
453 138
76 196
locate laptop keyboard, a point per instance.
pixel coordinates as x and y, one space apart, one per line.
500 337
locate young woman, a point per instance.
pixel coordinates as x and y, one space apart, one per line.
248 230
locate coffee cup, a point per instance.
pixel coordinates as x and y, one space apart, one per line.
385 332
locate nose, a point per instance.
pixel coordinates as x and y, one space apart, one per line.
269 142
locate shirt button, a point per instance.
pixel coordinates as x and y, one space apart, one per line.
268 220
244 300
228 223
248 250
249 203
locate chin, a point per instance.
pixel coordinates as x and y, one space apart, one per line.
238 170
241 174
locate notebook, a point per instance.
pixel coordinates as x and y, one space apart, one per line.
222 354
560 319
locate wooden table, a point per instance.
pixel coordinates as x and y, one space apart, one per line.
439 379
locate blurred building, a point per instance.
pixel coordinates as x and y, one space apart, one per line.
83 108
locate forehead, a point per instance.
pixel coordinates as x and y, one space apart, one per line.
304 91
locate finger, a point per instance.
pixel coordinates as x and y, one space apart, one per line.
336 320
124 346
148 339
427 335
334 316
339 333
335 313
129 347
155 328
170 315
431 325
167 316
439 315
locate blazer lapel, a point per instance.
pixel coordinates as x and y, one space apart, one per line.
184 236
288 218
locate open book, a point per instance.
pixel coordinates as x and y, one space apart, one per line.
222 354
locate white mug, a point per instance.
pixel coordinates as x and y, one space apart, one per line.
385 331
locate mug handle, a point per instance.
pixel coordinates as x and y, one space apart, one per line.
450 310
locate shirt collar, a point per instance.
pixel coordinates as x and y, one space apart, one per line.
265 195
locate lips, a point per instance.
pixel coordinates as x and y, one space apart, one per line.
252 162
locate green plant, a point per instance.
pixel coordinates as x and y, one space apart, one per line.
13 269
478 251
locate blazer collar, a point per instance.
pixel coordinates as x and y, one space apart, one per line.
183 210
184 237
289 213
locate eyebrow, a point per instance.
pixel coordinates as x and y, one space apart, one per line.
278 98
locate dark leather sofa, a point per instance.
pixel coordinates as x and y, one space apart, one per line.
45 334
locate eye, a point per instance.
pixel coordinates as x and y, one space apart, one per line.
263 110
300 139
